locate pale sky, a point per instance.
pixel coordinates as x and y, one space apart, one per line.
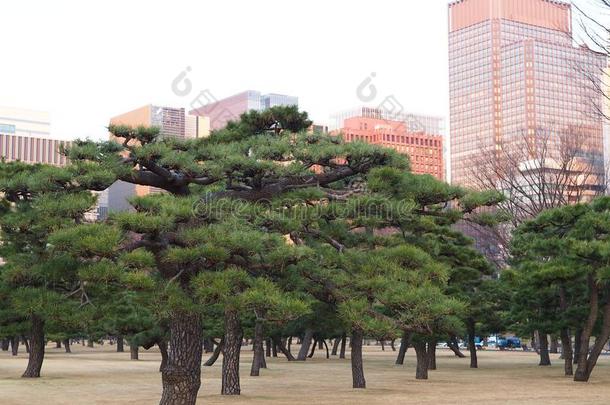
86 61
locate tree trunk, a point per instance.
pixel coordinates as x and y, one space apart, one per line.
327 351
58 344
472 348
5 345
335 348
554 349
120 344
302 356
208 345
566 351
536 342
259 356
280 344
382 345
566 339
393 344
15 345
577 336
313 349
356 358
163 350
545 359
588 359
455 347
432 355
90 343
343 344
268 347
67 346
26 343
232 349
219 348
421 371
582 373
36 348
273 349
402 351
181 376
134 351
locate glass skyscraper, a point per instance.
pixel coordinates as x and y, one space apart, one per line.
515 75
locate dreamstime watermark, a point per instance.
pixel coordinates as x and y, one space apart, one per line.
204 101
294 209
390 108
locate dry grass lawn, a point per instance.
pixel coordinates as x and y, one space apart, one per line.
101 376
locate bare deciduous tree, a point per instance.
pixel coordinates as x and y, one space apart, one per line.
548 169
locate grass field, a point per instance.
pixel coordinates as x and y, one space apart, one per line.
101 376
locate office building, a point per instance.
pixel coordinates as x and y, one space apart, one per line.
173 123
220 112
25 135
517 78
424 149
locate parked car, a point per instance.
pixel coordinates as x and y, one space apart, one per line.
507 343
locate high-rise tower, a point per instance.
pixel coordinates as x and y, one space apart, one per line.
516 76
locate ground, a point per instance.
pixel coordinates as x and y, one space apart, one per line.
101 376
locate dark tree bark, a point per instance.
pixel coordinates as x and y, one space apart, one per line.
402 350
421 352
577 337
67 346
536 343
259 356
566 339
36 348
208 345
382 345
181 376
273 348
455 347
120 344
268 347
15 345
393 344
356 359
472 348
320 345
219 348
164 355
26 343
5 345
566 351
90 343
134 351
343 344
545 359
327 351
58 344
432 355
335 348
281 346
305 344
554 347
313 349
588 358
232 349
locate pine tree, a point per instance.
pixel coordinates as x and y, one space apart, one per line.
566 251
207 180
42 285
